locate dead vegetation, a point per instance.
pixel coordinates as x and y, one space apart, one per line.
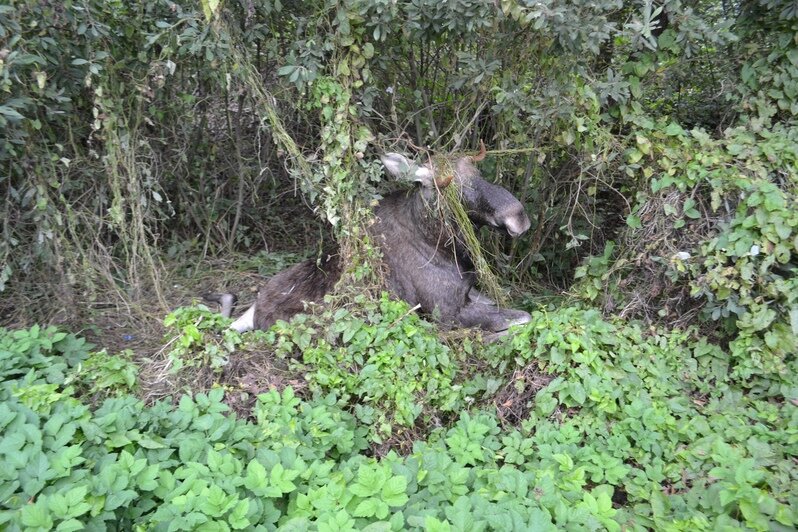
516 398
649 285
248 374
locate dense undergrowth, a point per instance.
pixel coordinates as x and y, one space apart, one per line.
635 427
654 145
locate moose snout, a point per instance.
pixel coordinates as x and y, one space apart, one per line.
516 222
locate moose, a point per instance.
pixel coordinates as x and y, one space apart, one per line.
427 264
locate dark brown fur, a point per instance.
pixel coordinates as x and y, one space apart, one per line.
425 264
285 294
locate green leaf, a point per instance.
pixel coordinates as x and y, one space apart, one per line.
591 503
238 516
281 478
36 516
577 393
76 495
59 506
394 491
674 130
150 443
726 497
774 201
10 113
379 526
336 523
367 508
256 479
147 479
369 482
70 525
209 8
432 524
539 519
753 515
660 506
633 155
783 230
118 499
783 515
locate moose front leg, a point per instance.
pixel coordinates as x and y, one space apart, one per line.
475 296
488 317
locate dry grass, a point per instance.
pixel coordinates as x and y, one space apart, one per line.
648 255
456 214
516 399
401 441
247 374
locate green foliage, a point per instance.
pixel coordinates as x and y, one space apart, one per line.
769 75
641 428
655 144
106 172
595 271
50 353
106 374
742 270
197 341
382 358
761 243
322 429
659 416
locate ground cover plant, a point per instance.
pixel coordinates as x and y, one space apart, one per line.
159 150
639 428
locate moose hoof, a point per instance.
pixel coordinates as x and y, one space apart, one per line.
520 320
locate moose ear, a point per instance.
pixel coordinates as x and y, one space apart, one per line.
397 165
401 167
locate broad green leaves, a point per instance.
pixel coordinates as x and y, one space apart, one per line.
382 357
639 424
378 491
273 484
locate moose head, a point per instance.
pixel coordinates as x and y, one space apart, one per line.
485 203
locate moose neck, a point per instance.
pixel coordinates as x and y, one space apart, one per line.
437 227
